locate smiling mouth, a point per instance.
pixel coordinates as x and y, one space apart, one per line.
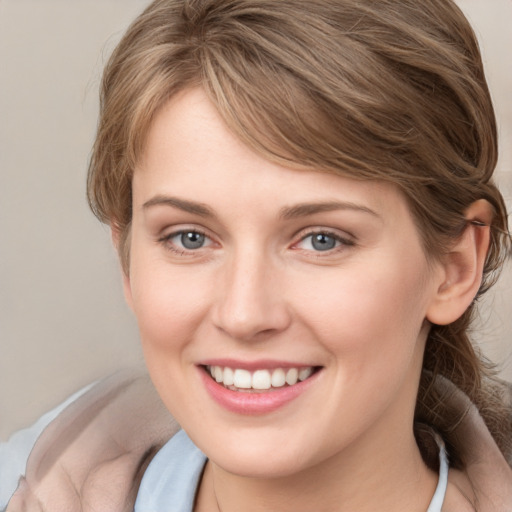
238 379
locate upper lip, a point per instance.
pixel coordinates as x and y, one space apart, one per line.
261 364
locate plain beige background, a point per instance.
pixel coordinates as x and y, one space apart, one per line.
63 321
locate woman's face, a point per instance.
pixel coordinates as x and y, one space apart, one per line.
304 293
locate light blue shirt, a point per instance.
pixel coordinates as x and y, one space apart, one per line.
172 477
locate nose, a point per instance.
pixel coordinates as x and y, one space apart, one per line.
250 303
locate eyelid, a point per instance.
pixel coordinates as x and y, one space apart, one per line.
179 231
345 240
166 238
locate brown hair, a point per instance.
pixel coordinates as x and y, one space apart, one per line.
390 90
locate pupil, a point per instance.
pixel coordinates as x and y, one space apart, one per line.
322 242
192 240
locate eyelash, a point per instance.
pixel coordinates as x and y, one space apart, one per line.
343 242
166 241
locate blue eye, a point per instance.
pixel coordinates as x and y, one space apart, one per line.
322 241
191 239
186 240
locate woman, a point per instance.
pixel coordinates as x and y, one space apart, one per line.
301 196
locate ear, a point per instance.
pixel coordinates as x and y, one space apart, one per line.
125 274
462 267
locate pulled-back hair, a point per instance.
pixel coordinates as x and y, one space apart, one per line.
388 90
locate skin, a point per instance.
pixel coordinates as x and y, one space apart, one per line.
259 290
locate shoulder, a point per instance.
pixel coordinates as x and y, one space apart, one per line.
485 483
97 449
15 451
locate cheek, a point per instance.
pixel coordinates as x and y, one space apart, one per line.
371 325
370 315
170 308
168 303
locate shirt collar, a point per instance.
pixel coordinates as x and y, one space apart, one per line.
171 479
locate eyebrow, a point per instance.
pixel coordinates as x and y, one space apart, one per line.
305 209
286 213
182 204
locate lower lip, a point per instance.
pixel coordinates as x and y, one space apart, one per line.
260 402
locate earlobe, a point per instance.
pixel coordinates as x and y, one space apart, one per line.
462 267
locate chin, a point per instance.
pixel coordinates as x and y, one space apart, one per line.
260 465
261 453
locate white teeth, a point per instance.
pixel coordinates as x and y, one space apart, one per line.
304 373
242 379
217 373
278 378
228 377
292 375
260 379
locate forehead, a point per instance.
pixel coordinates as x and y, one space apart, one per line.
190 152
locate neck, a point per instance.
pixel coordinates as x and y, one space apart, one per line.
389 478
